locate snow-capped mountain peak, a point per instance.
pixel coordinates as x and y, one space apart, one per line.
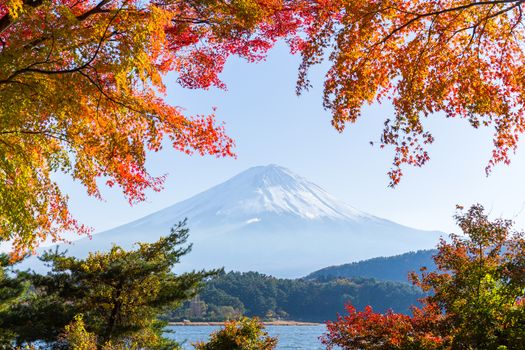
258 192
271 220
274 189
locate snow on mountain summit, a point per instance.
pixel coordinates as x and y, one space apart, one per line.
276 189
256 192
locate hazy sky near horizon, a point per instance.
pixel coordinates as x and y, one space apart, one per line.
270 124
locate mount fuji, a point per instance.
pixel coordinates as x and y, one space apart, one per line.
270 220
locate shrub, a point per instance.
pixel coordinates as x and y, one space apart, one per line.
245 334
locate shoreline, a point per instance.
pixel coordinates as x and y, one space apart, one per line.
268 323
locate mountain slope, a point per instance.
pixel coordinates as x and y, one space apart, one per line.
391 268
270 220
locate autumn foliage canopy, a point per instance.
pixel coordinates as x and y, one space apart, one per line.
81 83
462 58
81 89
475 297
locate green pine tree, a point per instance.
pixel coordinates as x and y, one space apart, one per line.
12 289
120 294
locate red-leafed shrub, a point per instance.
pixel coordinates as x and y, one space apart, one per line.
475 297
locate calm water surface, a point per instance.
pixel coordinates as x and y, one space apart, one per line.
290 337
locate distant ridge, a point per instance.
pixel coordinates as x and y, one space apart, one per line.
271 220
391 268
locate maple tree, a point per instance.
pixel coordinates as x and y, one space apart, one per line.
463 58
81 90
367 330
475 297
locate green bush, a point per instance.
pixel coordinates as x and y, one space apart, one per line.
245 334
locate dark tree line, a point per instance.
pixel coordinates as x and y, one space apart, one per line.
255 294
389 268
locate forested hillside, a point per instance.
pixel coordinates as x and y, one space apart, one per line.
255 294
392 268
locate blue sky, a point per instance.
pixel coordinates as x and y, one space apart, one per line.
270 124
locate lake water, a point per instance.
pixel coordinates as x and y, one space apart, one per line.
290 337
